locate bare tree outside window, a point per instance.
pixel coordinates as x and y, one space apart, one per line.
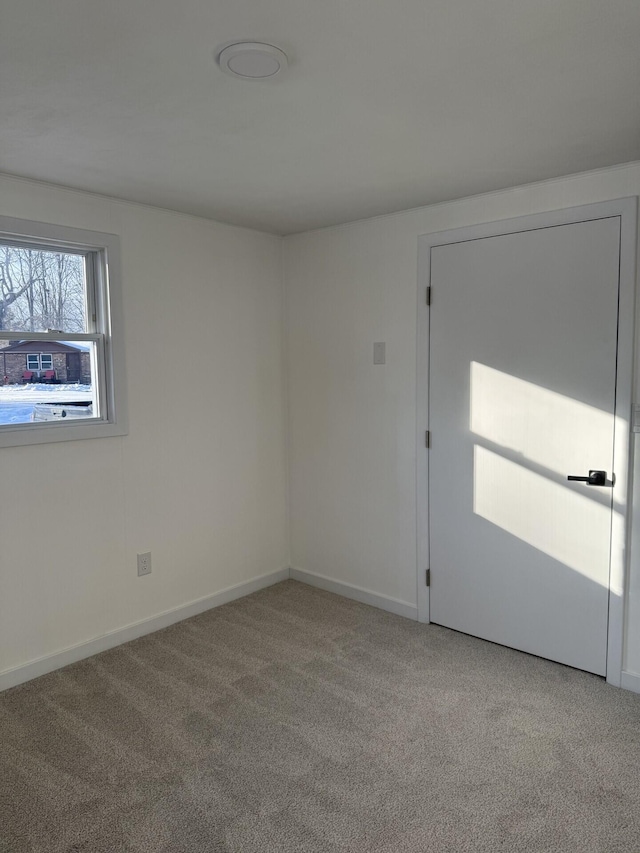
41 290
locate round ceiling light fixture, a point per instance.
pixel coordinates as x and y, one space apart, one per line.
251 60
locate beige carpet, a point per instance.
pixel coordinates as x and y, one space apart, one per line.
295 720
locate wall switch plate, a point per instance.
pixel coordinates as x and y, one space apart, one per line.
379 352
144 564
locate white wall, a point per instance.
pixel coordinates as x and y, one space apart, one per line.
352 425
200 478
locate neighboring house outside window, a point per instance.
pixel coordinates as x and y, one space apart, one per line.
70 362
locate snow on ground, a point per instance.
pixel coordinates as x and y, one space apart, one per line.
17 401
40 393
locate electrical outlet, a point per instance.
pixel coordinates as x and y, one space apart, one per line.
144 564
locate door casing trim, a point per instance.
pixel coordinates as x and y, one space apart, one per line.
626 209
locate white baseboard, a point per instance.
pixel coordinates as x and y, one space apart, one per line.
41 666
384 602
630 681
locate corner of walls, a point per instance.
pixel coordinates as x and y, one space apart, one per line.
285 398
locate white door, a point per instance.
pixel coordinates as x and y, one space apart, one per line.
522 379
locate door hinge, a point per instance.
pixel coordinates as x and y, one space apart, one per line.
427 439
428 577
429 296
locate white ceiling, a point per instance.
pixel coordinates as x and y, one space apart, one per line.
387 104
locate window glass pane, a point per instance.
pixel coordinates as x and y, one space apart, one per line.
42 289
71 396
33 362
46 362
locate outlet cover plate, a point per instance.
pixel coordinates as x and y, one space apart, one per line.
379 352
144 564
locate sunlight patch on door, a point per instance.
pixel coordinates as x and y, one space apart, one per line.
569 527
552 430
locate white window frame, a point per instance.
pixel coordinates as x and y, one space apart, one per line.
48 355
105 324
34 357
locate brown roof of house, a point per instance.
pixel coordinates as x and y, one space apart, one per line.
38 346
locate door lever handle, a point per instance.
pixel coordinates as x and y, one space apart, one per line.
595 478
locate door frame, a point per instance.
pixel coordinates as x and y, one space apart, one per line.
626 209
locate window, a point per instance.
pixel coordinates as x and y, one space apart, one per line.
36 363
61 354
